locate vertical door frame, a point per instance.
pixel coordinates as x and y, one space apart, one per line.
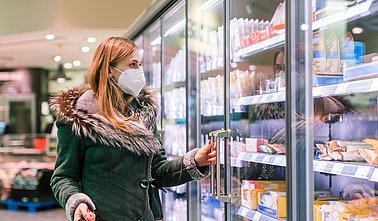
299 107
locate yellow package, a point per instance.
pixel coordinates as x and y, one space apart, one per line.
273 203
317 212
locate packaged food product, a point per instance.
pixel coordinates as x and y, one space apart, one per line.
279 148
253 143
369 155
266 149
273 202
348 58
319 53
333 55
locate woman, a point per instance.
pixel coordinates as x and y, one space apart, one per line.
110 160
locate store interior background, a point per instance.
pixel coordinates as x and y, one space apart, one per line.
27 66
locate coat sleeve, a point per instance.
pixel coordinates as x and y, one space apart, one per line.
66 179
175 172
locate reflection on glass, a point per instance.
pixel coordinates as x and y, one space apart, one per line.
173 68
257 72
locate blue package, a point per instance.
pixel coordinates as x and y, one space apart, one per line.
359 51
325 80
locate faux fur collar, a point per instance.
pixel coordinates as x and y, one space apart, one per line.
79 108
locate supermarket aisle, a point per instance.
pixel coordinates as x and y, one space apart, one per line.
47 215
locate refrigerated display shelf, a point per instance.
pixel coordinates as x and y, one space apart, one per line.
256 215
172 86
351 169
235 162
351 87
348 15
271 43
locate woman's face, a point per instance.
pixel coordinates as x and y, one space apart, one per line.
131 61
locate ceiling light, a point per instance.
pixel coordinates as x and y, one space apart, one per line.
85 49
357 30
57 58
76 63
91 39
60 75
67 65
49 37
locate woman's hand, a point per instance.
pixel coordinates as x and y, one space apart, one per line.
82 211
203 156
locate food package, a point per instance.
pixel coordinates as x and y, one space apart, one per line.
362 206
348 58
279 148
373 142
253 143
273 202
266 149
319 53
369 155
251 188
333 55
278 18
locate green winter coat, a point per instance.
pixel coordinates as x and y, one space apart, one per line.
108 169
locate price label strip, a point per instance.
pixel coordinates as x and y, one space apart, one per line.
337 168
374 85
266 159
243 211
321 166
254 157
276 97
264 98
257 216
342 88
374 176
362 172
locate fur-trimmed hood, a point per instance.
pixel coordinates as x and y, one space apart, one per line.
78 108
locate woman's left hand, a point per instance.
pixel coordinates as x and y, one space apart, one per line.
204 157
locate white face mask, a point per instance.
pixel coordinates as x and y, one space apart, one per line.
131 81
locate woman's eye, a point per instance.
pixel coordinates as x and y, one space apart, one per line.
134 65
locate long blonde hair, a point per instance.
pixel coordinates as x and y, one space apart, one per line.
110 97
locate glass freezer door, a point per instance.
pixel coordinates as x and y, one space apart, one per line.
345 97
152 61
174 121
257 109
206 72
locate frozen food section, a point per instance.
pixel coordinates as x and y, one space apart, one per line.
289 91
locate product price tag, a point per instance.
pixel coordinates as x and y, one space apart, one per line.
374 85
257 216
266 159
243 211
341 88
374 176
264 98
276 96
243 156
254 157
337 168
321 166
316 91
362 172
277 160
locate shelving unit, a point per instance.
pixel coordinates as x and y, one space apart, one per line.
359 86
172 86
351 169
256 215
348 15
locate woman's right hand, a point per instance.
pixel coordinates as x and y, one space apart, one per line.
82 211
